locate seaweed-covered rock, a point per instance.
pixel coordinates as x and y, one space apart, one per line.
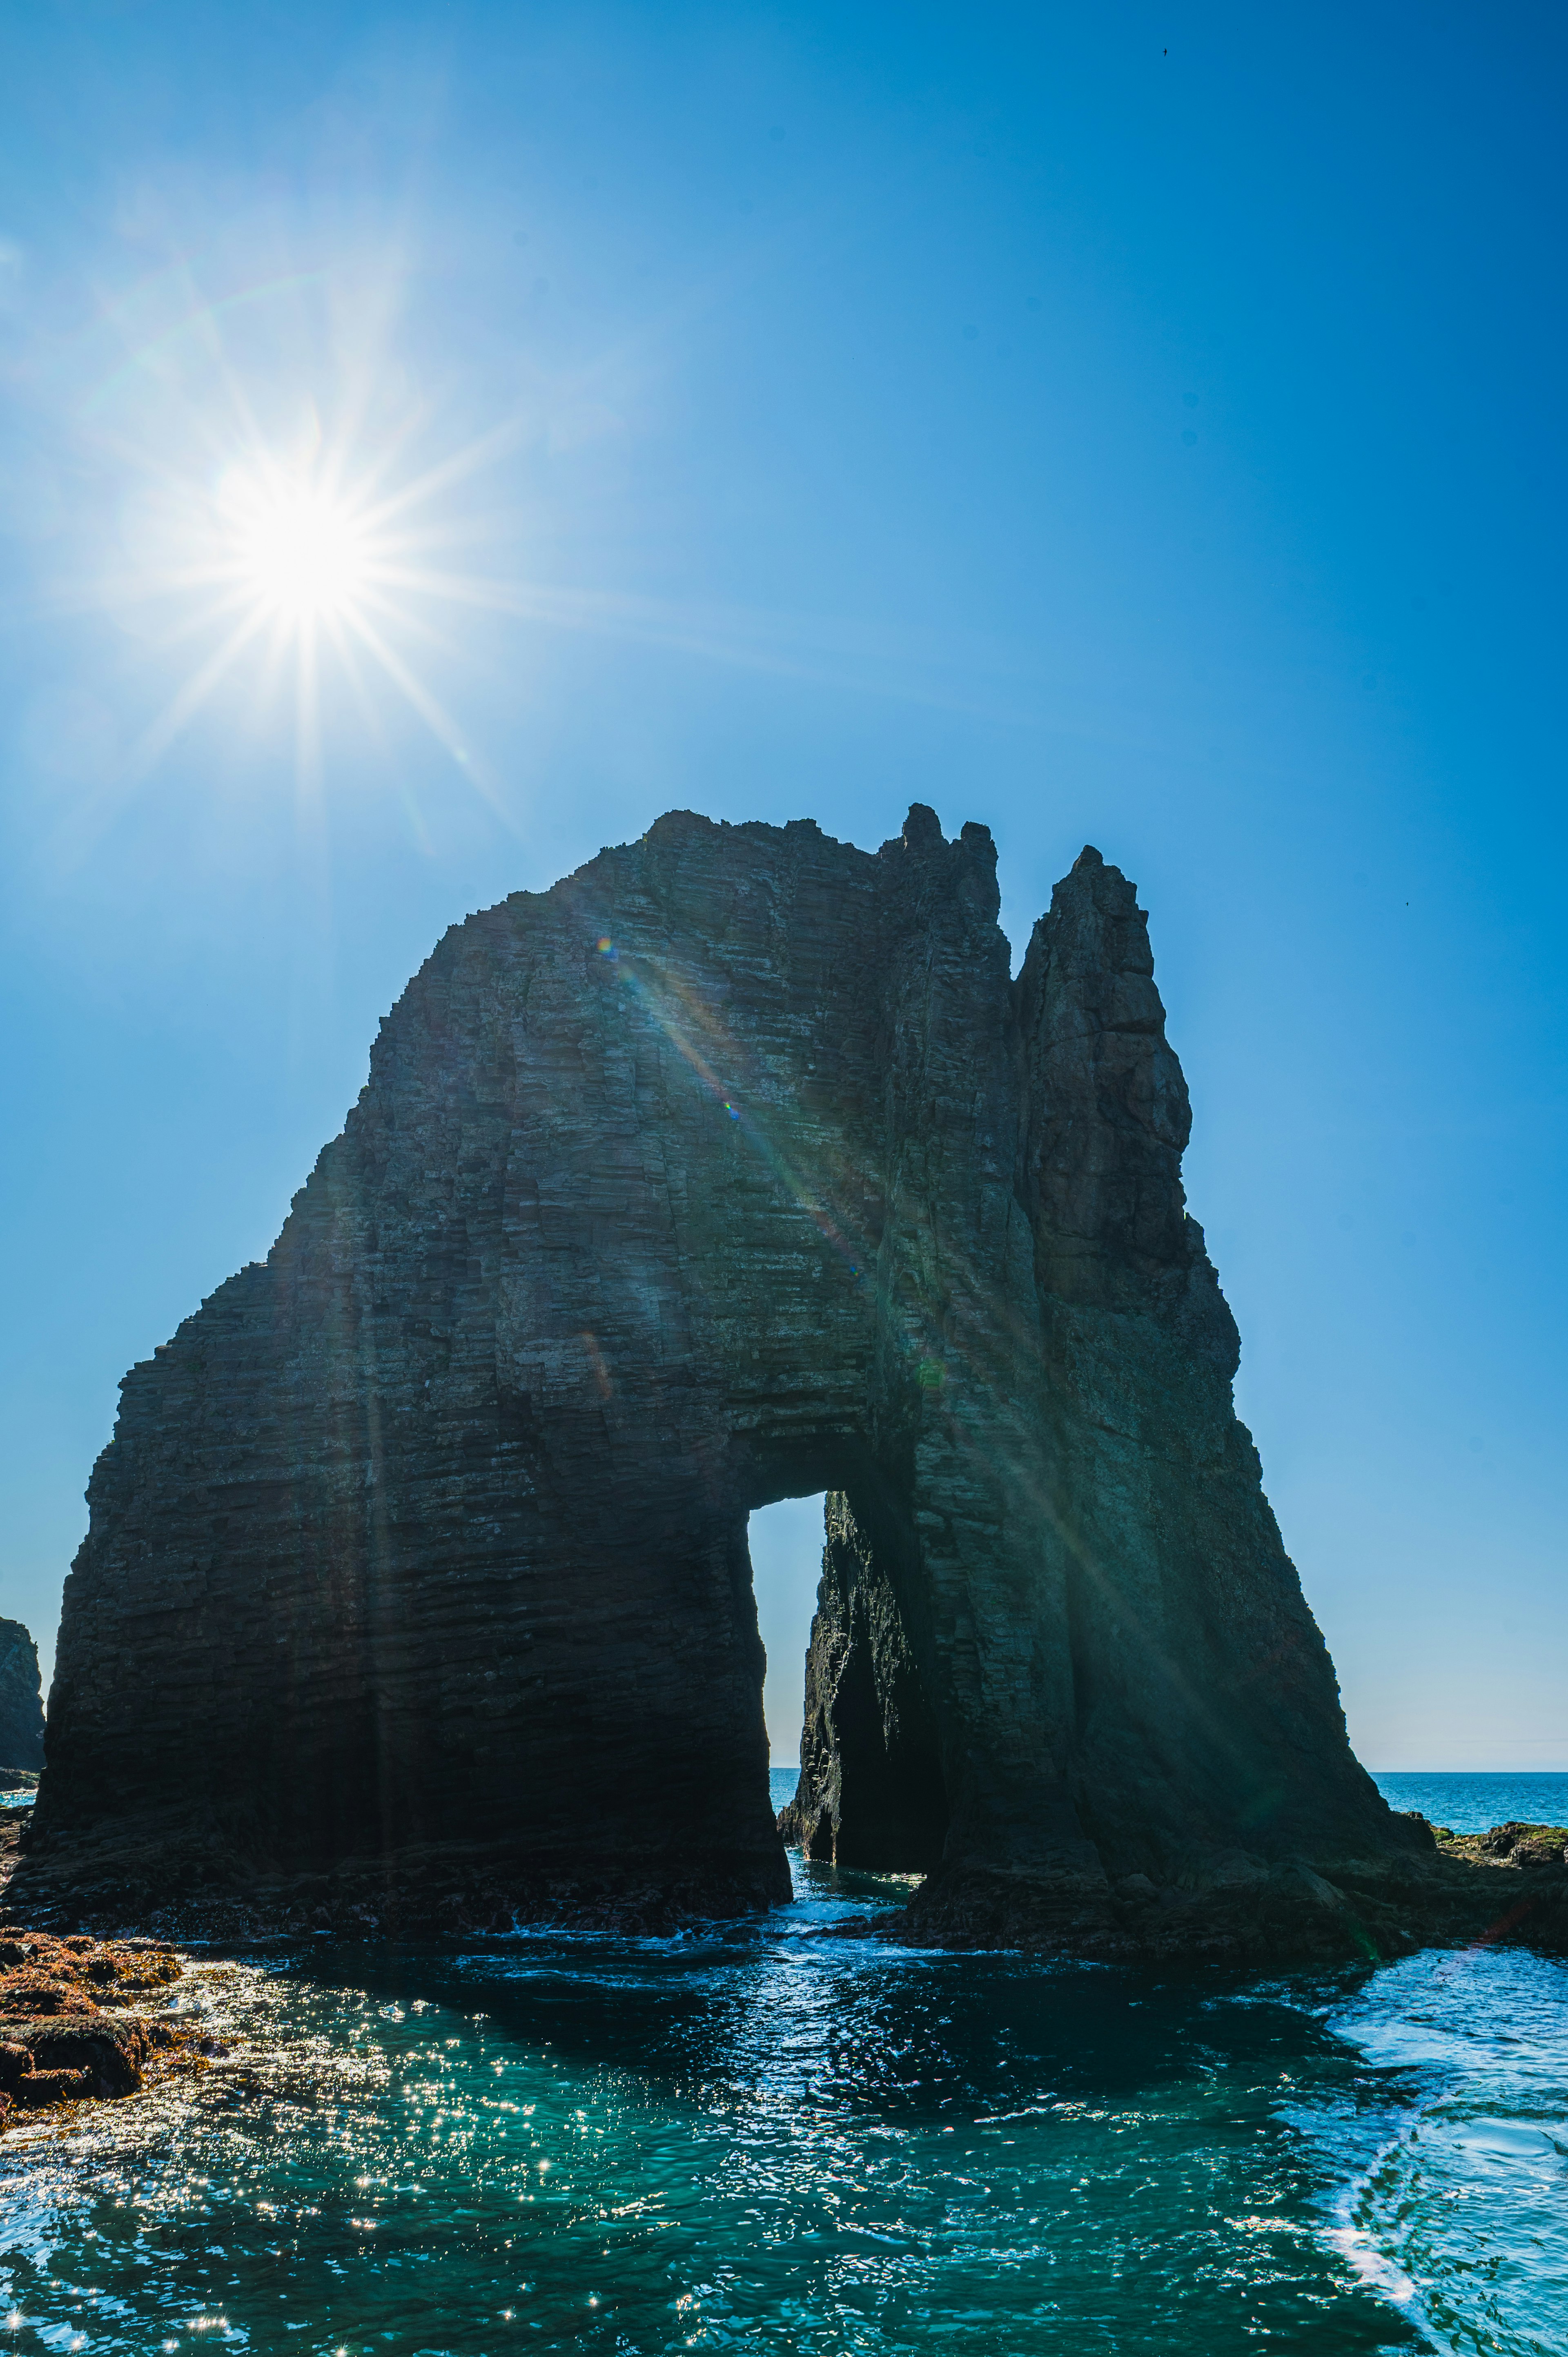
68 2031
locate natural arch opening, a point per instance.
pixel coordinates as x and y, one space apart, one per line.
786 1543
870 1789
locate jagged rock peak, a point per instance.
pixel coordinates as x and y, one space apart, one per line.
922 829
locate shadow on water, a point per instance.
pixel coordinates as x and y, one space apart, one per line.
913 2036
766 2138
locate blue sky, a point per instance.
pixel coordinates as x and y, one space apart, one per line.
1136 426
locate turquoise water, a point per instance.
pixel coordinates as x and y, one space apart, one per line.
760 2140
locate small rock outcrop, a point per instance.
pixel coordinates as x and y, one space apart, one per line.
21 1699
69 2032
733 1167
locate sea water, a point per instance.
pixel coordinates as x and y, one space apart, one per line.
1469 1804
758 2139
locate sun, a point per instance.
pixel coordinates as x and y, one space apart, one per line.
300 553
322 562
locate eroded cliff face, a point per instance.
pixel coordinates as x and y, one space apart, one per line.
735 1166
21 1699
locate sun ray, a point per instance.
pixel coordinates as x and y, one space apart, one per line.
430 711
481 452
183 706
322 530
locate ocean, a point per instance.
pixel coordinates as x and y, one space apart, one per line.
750 2139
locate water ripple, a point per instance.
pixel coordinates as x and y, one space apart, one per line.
760 2139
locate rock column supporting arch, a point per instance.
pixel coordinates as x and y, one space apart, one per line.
872 1791
735 1166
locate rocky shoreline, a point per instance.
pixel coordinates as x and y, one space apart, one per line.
435 1891
1505 1887
68 2031
85 1999
1509 1885
81 2018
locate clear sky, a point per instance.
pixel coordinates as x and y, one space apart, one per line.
1132 425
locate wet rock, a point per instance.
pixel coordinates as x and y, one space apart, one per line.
1525 1845
68 2032
41 2087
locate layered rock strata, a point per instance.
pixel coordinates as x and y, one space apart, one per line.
735 1167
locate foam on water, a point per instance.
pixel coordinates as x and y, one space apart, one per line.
760 2139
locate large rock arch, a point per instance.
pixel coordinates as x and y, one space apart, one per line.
734 1166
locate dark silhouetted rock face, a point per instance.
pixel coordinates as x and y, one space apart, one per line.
21 1700
735 1166
871 1790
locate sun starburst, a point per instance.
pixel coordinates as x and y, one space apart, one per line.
303 553
318 575
306 538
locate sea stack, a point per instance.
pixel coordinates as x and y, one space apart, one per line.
21 1699
735 1166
